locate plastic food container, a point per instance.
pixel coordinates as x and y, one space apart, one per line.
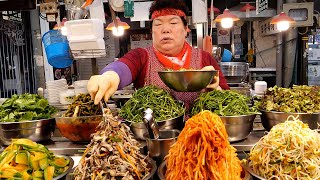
80 84
64 95
84 30
260 87
98 44
80 87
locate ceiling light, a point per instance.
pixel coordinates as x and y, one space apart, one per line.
282 21
247 8
215 10
226 19
118 27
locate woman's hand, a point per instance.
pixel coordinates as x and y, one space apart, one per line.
215 84
103 86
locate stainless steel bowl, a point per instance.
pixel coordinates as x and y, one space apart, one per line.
35 130
64 175
162 172
159 148
238 127
271 118
139 128
187 81
234 72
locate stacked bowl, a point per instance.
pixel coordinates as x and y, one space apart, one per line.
54 88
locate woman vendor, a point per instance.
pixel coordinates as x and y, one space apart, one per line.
169 51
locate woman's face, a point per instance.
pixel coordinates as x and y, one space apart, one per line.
168 33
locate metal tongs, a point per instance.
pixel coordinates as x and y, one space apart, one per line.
103 104
151 124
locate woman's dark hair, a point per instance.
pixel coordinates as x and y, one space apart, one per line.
175 4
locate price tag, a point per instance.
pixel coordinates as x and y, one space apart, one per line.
128 8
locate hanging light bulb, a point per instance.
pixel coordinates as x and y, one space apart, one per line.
282 21
247 8
215 10
226 19
283 25
227 23
119 29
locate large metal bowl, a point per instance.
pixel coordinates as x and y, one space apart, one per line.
138 128
187 81
271 118
162 172
35 130
238 127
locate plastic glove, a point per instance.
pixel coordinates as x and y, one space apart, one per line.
103 86
215 84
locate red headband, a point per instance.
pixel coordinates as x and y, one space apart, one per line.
168 11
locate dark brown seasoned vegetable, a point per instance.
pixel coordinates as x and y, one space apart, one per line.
82 105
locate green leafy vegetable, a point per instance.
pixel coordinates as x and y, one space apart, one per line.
223 103
25 107
163 105
304 99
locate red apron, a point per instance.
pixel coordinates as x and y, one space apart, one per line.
152 77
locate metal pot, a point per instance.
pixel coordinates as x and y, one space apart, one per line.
271 118
159 148
139 128
35 130
235 72
238 127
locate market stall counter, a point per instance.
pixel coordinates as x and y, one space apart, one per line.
61 145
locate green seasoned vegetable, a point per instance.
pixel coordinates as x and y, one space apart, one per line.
304 99
163 105
25 107
82 105
223 103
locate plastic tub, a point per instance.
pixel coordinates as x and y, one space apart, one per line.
98 44
80 84
84 30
